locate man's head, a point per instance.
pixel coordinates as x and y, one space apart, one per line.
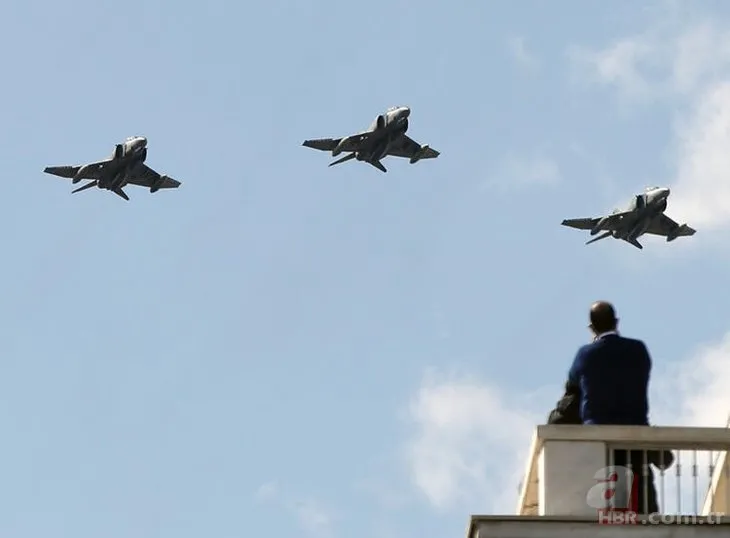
603 317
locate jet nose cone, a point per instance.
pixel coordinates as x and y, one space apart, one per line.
142 141
405 111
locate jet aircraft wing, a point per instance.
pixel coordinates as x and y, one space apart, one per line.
144 176
665 226
580 224
589 223
62 171
88 171
349 143
408 148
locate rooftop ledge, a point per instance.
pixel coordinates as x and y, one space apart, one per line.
582 527
563 460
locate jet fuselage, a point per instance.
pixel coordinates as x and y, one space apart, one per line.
386 128
125 158
644 208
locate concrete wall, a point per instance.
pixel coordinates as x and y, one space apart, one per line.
554 527
566 471
564 461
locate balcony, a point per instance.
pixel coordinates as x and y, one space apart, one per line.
563 462
562 467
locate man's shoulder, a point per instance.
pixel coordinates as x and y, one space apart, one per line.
633 347
623 341
633 342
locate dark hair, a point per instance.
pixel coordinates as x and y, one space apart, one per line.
603 317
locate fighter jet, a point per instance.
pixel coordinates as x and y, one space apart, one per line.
645 214
385 136
125 166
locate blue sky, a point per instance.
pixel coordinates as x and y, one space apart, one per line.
338 351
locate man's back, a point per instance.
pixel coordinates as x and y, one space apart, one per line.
613 374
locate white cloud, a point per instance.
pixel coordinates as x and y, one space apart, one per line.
314 517
469 444
695 52
389 494
689 64
267 491
618 65
664 61
310 513
521 171
518 49
695 391
537 170
701 189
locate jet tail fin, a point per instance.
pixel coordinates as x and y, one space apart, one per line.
378 165
121 193
683 230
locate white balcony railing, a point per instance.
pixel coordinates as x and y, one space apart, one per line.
563 462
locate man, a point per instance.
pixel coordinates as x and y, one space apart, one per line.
612 373
612 377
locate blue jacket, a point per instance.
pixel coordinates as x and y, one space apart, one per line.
613 375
